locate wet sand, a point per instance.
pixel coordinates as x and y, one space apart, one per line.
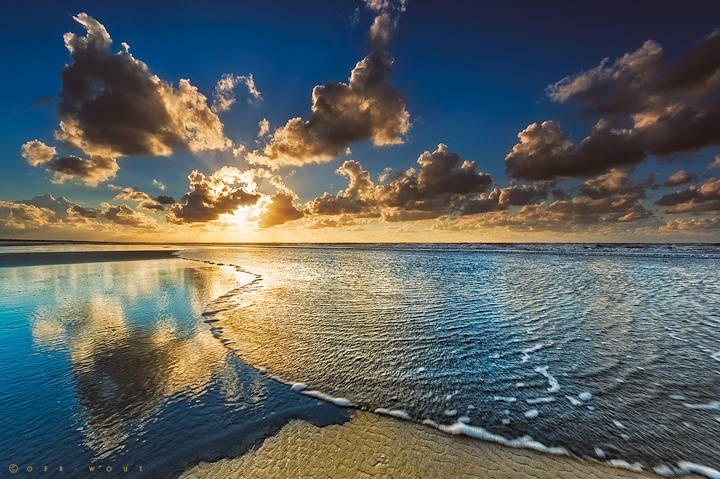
371 445
40 258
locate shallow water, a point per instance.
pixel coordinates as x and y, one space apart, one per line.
111 364
608 352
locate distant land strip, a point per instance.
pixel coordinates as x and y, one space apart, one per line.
68 257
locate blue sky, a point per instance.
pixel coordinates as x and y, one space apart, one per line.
472 76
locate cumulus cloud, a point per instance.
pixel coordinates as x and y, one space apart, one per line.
691 225
367 107
111 105
647 107
159 184
264 126
124 215
20 216
705 197
715 163
146 201
46 211
224 96
678 178
279 210
91 171
211 196
443 184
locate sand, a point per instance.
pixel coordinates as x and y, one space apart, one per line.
369 445
39 258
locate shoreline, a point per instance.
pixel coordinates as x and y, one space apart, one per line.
44 258
374 445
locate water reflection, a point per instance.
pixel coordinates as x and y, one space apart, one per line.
126 366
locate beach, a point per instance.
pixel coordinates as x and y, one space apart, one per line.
370 445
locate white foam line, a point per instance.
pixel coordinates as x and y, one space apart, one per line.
398 413
574 401
532 413
301 388
539 400
526 352
505 398
626 465
712 405
477 432
716 356
554 384
678 338
688 467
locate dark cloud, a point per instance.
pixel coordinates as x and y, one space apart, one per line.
705 197
501 199
211 196
126 216
679 178
614 183
443 184
367 107
164 199
648 107
611 197
111 105
146 201
357 198
280 210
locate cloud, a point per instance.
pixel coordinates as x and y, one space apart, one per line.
224 96
367 107
126 216
37 153
715 163
20 216
160 185
443 185
264 127
91 171
678 178
111 105
500 199
647 107
691 225
705 197
279 210
132 194
613 183
214 195
46 211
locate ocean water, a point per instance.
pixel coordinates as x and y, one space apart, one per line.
111 365
603 351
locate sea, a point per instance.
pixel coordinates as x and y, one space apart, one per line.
146 367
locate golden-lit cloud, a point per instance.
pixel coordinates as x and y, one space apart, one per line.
366 107
111 105
646 105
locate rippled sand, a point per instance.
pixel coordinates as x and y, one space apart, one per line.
372 445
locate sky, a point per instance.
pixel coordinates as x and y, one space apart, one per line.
374 120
